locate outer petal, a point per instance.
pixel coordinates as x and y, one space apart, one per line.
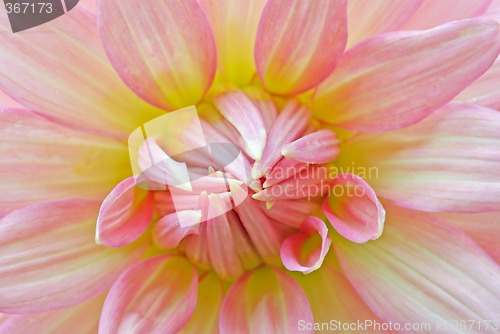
448 162
167 57
395 80
370 18
205 318
155 296
483 227
439 272
433 13
60 69
299 43
125 214
49 259
234 24
484 91
306 250
42 161
334 301
6 100
265 301
354 209
79 319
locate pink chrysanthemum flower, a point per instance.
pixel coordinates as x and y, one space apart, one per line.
396 100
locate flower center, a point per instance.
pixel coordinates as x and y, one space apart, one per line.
236 178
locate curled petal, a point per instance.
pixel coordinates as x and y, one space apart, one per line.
356 212
394 80
49 260
265 301
170 61
306 250
299 43
125 214
157 295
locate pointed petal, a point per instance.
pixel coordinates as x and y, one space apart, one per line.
265 301
246 118
157 295
170 61
315 148
483 227
433 13
299 43
234 22
49 260
306 250
125 214
289 126
369 18
332 297
205 318
60 69
354 209
448 162
66 320
260 230
55 161
168 233
439 272
221 245
484 91
394 80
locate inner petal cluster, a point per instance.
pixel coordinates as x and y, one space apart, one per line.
243 185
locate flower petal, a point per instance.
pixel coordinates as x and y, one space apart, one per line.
205 318
334 300
168 233
484 91
264 301
170 61
66 320
397 79
439 272
60 69
125 214
157 295
433 13
260 230
354 209
483 227
291 123
315 148
234 24
448 162
49 260
306 250
56 162
299 43
239 110
370 18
